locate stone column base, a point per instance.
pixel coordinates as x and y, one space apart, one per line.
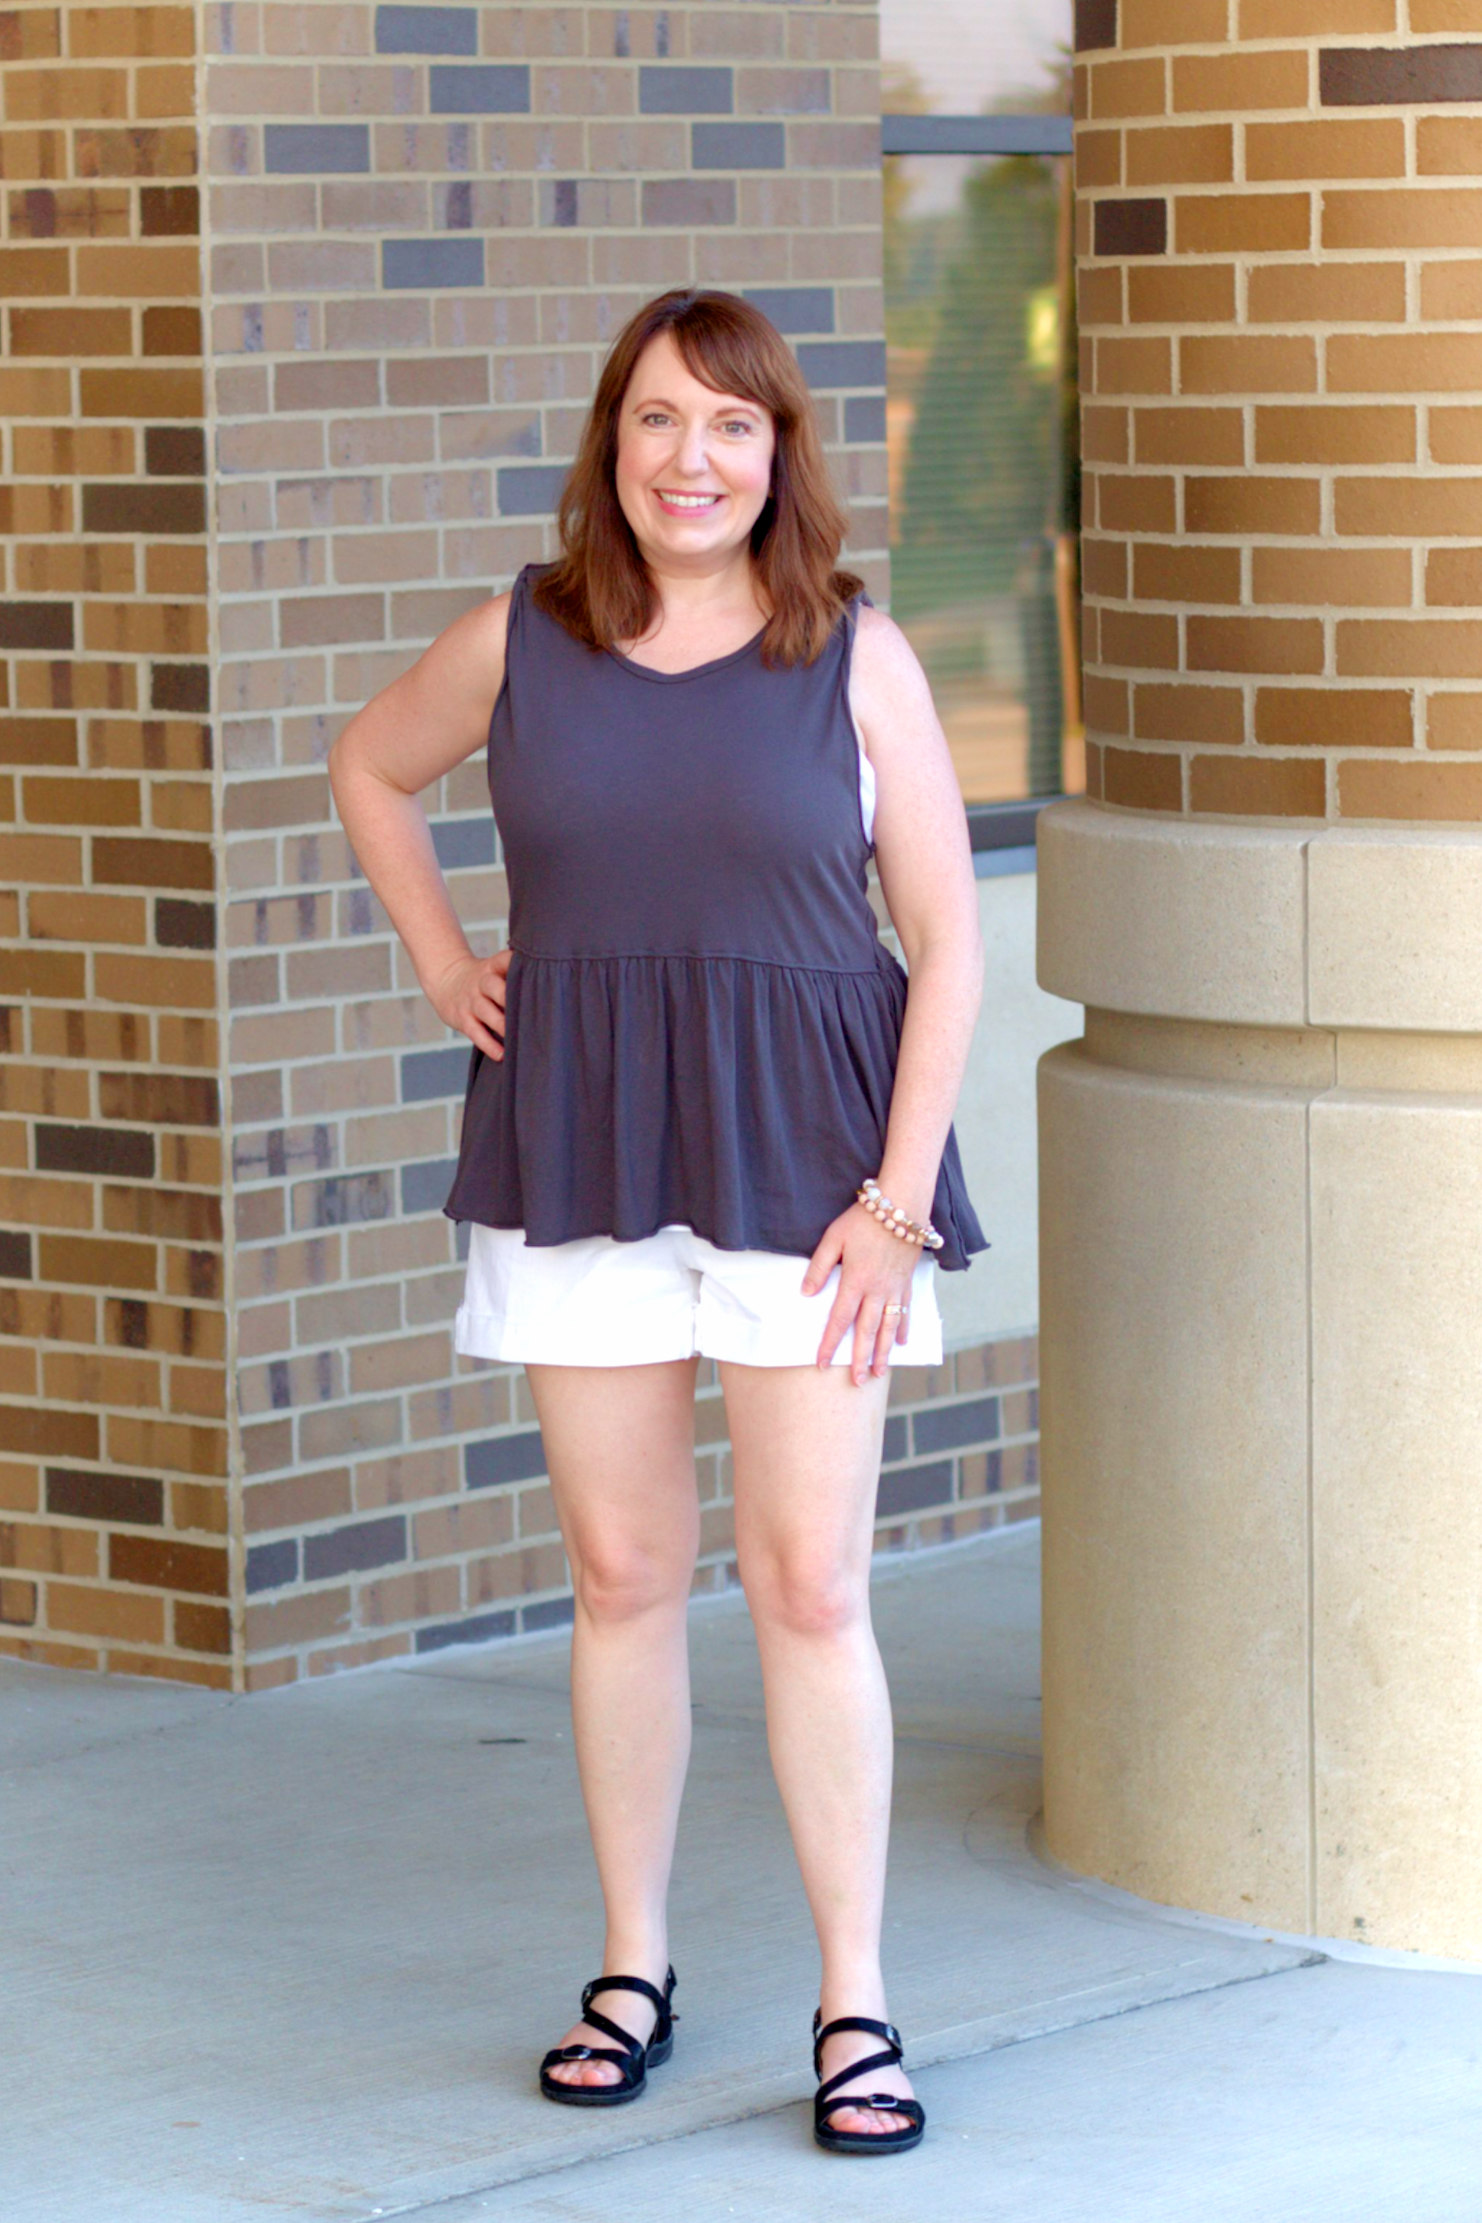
1261 1322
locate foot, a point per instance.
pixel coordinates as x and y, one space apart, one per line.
857 2045
629 2010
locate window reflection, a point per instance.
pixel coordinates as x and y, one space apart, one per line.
968 57
982 484
981 409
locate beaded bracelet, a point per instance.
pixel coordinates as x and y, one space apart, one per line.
874 1199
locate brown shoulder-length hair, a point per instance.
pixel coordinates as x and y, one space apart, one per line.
600 588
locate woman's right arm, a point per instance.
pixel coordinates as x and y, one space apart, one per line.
409 735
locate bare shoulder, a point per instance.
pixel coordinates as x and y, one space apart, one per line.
437 712
888 690
478 637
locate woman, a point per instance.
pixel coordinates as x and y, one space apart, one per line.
689 1061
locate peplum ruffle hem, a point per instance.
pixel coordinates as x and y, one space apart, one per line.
738 1095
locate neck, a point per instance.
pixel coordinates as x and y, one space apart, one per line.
689 596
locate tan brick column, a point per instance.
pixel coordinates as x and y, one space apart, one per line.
113 1441
1262 1205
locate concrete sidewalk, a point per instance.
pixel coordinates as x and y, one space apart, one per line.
297 1957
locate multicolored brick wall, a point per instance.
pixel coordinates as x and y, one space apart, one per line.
421 225
1280 302
113 1446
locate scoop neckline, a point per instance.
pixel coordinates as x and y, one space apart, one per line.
690 671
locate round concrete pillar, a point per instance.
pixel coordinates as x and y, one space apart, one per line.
1261 1169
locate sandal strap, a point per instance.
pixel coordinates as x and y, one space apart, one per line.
636 2047
630 1983
872 2029
890 2102
587 2053
857 2068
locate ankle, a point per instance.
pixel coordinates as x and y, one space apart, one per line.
859 1994
642 1955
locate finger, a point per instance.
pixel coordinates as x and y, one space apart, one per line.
489 1014
821 1264
482 1039
866 1330
837 1326
889 1328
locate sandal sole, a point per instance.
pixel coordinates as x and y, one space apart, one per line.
870 2142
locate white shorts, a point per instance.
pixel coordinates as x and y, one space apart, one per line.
601 1302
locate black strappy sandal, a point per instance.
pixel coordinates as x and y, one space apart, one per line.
634 2060
862 2141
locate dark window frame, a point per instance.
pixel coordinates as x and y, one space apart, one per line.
990 825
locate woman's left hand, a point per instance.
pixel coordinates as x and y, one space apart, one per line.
875 1269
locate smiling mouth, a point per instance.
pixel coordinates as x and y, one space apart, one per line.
695 502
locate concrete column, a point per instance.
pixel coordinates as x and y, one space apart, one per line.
1261 1168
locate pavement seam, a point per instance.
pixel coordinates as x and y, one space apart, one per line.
449 2200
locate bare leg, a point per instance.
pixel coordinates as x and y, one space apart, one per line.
807 1446
620 1440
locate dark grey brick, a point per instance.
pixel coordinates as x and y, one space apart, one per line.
125 1500
794 308
548 1613
864 417
479 88
182 925
318 149
908 1489
345 1200
950 1427
427 30
895 1445
738 146
359 1544
126 1151
15 1255
685 92
496 1459
1137 227
1392 76
531 490
843 362
426 1074
270 1566
425 1186
477 1628
689 201
461 842
412 265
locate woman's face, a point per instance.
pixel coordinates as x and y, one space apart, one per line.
694 467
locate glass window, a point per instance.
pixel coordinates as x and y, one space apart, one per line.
973 57
981 414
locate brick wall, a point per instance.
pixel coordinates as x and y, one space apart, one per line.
422 225
427 223
1281 309
113 1453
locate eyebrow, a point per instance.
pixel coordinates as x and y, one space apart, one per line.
660 401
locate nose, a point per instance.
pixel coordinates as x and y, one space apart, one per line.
694 450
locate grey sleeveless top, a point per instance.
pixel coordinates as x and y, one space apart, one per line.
701 1022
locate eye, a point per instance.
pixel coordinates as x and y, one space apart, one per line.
738 424
654 417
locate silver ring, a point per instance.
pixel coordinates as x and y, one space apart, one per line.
897 1308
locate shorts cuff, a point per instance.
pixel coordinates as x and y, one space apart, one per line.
484 1335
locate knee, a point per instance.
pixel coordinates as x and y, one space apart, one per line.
806 1597
615 1585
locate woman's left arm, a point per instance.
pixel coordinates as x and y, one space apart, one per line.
924 859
